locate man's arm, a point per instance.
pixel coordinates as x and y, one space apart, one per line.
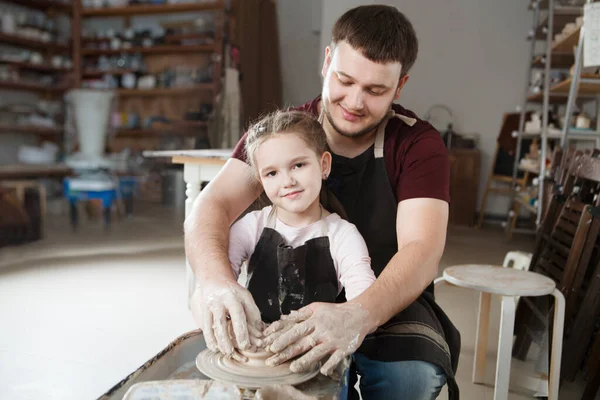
421 226
323 329
216 208
218 295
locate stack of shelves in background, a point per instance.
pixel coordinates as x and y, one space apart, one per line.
559 32
32 60
153 104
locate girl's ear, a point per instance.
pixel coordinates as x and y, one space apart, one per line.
326 164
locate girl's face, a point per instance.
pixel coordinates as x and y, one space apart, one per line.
291 173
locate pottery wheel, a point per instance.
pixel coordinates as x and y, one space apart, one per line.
252 374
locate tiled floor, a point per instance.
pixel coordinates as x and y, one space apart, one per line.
72 327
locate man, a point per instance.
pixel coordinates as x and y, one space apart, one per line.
390 172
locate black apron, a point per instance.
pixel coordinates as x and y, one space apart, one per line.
422 331
282 278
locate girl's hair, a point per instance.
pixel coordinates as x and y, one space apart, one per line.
308 129
278 122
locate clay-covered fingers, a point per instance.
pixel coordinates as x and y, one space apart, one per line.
238 357
220 331
298 315
304 345
271 337
251 310
236 313
330 367
207 331
287 321
311 358
293 335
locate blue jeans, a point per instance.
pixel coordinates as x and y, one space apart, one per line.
414 380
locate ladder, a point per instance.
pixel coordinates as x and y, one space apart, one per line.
558 55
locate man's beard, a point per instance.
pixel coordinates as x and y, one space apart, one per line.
351 135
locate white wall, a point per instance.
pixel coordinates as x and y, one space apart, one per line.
299 42
472 57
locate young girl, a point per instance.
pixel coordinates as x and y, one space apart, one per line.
298 252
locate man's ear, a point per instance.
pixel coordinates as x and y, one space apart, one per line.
326 164
327 60
401 83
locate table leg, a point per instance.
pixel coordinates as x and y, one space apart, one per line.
74 214
192 179
557 342
505 341
481 340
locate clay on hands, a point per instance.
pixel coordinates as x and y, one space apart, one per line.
215 304
317 331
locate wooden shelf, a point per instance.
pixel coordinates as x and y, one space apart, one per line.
91 73
521 200
557 8
34 67
566 45
559 60
158 132
143 9
196 89
44 5
31 87
34 44
560 20
33 129
584 88
559 91
162 49
178 37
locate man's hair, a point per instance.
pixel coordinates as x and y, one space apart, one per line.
381 33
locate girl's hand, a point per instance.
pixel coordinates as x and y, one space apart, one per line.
317 331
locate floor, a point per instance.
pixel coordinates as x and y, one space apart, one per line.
74 323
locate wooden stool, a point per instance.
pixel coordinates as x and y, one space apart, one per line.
508 283
20 186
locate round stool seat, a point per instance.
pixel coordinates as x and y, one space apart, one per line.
499 280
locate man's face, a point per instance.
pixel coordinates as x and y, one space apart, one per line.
357 92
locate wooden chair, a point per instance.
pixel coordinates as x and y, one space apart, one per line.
593 370
586 300
500 177
564 255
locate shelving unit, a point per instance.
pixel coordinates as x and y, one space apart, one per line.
44 5
161 49
32 129
47 49
169 102
558 54
31 87
166 91
151 9
34 67
33 44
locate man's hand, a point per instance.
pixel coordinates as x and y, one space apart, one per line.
319 330
217 301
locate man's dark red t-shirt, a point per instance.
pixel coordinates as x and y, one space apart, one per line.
415 156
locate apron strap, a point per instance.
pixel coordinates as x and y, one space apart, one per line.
380 136
272 218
